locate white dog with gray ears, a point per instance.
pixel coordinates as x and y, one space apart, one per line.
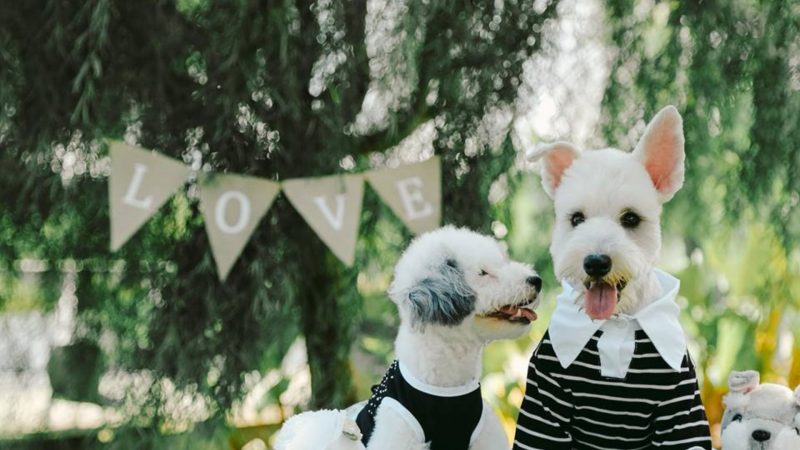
456 291
613 371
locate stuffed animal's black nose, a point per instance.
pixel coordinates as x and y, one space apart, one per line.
597 266
761 435
535 281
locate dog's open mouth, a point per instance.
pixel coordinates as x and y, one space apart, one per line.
521 314
602 298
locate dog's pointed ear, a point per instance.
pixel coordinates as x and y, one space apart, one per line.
443 298
743 382
661 151
556 159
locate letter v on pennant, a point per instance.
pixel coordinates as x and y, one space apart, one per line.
141 181
332 208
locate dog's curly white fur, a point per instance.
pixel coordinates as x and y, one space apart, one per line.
456 291
760 416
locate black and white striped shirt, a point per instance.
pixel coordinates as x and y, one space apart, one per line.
654 406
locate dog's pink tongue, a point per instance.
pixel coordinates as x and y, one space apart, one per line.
601 300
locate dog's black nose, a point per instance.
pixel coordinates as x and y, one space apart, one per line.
535 281
597 266
761 435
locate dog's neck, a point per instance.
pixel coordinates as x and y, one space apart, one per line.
639 293
440 356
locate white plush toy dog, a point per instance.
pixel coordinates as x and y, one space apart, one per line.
760 417
456 290
613 371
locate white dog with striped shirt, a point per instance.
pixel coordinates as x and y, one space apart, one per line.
613 371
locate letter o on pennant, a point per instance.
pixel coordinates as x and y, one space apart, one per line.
232 206
222 207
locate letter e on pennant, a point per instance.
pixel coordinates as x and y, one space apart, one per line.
413 192
414 203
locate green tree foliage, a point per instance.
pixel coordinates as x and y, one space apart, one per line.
267 88
732 68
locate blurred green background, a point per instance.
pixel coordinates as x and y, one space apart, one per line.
145 348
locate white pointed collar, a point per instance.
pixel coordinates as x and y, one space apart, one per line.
571 329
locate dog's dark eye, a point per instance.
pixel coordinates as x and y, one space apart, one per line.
577 218
630 219
484 273
737 418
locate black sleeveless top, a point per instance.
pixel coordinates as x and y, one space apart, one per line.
448 422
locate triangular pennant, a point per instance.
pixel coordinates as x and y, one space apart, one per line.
332 207
232 206
141 181
414 192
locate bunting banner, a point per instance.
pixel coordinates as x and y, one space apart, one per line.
233 205
141 181
332 207
413 192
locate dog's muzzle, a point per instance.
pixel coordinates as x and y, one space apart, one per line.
514 313
520 313
603 287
